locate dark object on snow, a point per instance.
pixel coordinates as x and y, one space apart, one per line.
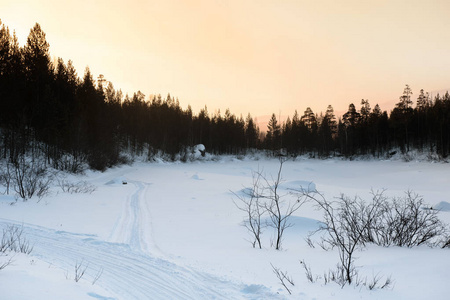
124 182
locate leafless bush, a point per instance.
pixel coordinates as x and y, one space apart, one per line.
251 204
97 276
264 198
283 278
445 241
30 177
6 263
350 223
344 226
14 240
309 275
310 242
377 283
338 276
279 210
404 222
6 176
70 163
80 270
75 187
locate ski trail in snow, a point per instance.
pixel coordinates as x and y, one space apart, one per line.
133 265
129 273
122 228
134 226
136 232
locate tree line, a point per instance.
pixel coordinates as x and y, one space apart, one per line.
46 109
426 127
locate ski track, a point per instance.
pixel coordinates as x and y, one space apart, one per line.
127 228
129 270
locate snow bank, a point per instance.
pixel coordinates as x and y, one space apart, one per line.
442 206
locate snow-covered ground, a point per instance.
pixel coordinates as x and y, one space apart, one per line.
173 232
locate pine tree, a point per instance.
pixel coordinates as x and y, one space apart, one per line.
251 132
273 137
39 73
331 118
405 100
401 117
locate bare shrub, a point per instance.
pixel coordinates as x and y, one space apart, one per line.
445 241
350 223
283 278
30 177
70 163
405 222
338 276
251 204
97 276
82 187
6 176
14 240
278 209
264 198
308 272
5 263
377 283
344 225
80 270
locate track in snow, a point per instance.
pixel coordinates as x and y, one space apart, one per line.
134 225
129 271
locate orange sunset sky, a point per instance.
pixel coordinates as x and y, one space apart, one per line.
260 57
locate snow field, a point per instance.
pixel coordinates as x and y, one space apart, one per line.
173 232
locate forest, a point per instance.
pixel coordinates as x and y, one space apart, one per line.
48 111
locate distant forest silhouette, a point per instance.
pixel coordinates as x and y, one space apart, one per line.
48 111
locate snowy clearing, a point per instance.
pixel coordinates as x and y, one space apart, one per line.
173 231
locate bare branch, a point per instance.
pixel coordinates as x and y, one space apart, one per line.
284 278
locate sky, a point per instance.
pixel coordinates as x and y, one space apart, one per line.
259 57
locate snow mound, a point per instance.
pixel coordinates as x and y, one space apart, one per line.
118 180
196 177
442 206
200 147
255 289
198 151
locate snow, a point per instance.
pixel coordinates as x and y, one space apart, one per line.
174 232
442 206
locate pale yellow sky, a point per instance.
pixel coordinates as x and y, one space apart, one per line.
250 56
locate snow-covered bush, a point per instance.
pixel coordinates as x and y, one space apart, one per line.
197 152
